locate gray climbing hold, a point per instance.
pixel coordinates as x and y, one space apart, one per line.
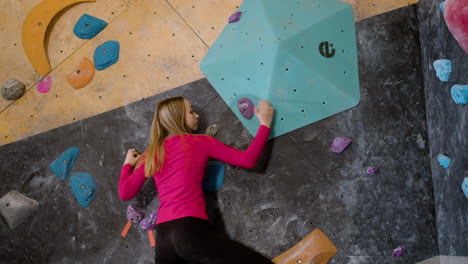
443 69
13 89
444 160
212 130
16 208
459 93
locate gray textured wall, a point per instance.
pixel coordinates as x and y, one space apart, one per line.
296 187
448 128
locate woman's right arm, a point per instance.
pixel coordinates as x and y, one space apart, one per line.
248 158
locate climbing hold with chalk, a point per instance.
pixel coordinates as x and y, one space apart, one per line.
214 178
149 222
212 130
13 89
82 75
465 187
399 251
134 214
246 107
340 144
235 17
444 160
106 54
64 164
372 170
83 187
443 69
459 94
45 84
16 208
87 27
456 19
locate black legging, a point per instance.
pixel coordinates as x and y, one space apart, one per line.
190 240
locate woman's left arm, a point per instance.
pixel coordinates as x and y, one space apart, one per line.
131 181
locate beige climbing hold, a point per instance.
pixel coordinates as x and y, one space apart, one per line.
16 208
82 75
212 130
34 30
316 248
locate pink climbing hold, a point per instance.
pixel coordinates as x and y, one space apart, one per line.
456 17
399 251
44 85
372 170
340 144
235 17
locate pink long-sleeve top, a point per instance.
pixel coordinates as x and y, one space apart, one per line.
179 181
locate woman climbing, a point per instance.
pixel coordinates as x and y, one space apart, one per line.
176 159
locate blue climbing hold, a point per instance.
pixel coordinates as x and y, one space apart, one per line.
88 27
460 93
83 187
443 69
106 54
442 7
64 164
214 178
465 186
444 160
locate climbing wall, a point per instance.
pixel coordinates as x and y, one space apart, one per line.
162 44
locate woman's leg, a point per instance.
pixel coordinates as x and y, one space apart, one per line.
193 240
165 252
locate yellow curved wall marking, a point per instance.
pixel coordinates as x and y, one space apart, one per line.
34 30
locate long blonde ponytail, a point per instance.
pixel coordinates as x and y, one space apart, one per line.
169 119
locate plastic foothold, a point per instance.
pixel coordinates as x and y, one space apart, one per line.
83 187
64 164
44 85
16 208
442 7
457 21
214 178
13 89
340 144
149 222
399 251
88 27
82 75
444 160
460 94
246 107
465 186
235 17
134 214
443 69
106 54
372 170
212 130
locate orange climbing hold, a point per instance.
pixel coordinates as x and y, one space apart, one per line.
316 248
82 75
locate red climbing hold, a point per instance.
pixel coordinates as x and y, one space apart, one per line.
456 17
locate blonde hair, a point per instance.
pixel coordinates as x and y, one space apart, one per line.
169 119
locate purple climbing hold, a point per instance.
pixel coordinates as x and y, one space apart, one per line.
399 251
246 107
235 17
340 144
372 170
149 222
134 215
